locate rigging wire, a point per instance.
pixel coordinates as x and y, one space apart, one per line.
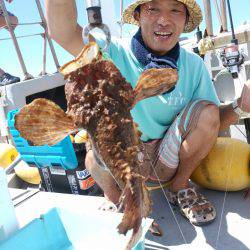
240 131
218 12
121 21
9 38
164 193
229 168
235 41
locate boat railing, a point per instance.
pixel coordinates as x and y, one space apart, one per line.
45 36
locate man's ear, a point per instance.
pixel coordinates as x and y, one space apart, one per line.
137 16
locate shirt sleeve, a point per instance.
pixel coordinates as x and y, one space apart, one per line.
205 89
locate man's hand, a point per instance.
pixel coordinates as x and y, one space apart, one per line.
244 100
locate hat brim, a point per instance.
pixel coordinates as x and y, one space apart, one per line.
194 14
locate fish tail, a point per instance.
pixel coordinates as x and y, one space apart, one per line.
136 203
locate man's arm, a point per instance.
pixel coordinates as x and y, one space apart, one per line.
63 26
2 21
228 116
13 19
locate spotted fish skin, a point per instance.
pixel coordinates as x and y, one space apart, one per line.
99 100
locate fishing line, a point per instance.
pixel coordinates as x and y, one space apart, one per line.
224 199
162 188
227 181
218 12
240 131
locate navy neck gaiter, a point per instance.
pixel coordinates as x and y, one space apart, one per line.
146 57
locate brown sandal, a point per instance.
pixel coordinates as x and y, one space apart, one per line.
195 207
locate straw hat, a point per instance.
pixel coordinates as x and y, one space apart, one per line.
194 11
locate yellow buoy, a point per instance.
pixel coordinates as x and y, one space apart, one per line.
8 154
226 167
28 174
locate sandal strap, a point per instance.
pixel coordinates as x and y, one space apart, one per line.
172 197
195 206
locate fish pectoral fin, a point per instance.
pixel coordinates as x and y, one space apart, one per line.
90 53
153 82
43 123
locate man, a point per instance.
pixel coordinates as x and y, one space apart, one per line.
6 78
178 128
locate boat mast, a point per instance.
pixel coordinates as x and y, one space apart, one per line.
208 17
223 7
120 22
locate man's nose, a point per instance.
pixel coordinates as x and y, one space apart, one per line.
163 20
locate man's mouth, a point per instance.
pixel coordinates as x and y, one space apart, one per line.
163 34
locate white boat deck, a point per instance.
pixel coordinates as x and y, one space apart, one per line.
233 224
234 228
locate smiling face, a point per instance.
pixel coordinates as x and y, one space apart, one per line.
161 22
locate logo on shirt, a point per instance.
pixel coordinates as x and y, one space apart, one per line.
176 99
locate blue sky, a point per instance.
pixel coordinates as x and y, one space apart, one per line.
32 47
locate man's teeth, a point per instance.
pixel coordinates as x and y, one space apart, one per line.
163 33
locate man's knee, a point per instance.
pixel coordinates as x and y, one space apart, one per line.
209 119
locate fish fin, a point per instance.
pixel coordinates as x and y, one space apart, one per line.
136 202
134 239
43 123
131 200
154 82
138 133
90 53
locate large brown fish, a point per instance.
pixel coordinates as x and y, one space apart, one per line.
99 100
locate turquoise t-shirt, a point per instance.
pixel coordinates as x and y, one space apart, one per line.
155 115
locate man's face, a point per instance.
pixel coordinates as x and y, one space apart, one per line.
161 22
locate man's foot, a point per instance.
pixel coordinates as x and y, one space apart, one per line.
195 207
6 79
